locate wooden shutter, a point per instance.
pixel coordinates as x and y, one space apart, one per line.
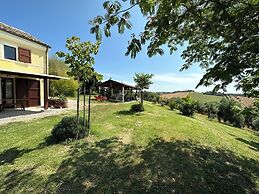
24 55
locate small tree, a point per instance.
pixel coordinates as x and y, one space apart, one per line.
80 60
143 81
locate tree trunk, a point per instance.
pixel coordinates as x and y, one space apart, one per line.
77 110
84 111
89 111
77 105
141 98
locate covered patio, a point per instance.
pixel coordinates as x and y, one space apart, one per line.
119 91
24 89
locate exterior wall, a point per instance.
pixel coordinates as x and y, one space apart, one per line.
41 86
39 59
38 55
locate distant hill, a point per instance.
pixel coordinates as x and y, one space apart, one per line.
201 97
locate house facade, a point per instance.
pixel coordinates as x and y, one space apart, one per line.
24 70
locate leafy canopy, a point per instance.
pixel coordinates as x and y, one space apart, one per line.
80 59
222 35
143 81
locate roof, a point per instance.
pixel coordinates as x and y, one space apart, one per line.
15 31
34 75
115 84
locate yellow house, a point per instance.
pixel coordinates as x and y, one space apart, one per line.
24 69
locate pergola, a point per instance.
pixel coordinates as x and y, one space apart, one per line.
111 84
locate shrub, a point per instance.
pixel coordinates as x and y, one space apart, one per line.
256 124
63 87
187 108
163 102
67 129
227 110
211 109
175 103
200 107
172 105
239 121
137 108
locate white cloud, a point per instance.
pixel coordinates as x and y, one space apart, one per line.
178 79
169 82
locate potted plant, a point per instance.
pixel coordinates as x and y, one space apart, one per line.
61 102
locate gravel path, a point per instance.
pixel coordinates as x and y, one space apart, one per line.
17 115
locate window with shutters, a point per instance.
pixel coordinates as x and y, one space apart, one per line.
24 55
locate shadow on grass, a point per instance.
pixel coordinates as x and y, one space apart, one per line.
48 141
10 155
252 144
109 166
125 112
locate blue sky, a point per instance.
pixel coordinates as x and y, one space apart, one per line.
53 21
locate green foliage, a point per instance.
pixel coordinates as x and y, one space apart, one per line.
222 36
172 105
137 108
199 107
151 96
142 80
256 124
80 58
62 98
61 87
187 107
211 108
230 111
68 129
175 103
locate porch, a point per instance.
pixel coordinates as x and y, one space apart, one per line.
22 90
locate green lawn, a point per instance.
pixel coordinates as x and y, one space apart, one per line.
158 151
204 98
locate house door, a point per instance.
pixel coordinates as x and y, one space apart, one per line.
7 92
34 92
29 91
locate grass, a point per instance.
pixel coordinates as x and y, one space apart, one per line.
204 98
157 151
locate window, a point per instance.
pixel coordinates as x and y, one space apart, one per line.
9 52
24 55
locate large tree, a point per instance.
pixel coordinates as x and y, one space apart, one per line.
222 35
143 81
80 58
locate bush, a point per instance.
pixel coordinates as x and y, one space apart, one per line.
187 108
256 124
211 109
163 102
239 121
137 108
175 103
200 107
63 87
67 129
172 105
